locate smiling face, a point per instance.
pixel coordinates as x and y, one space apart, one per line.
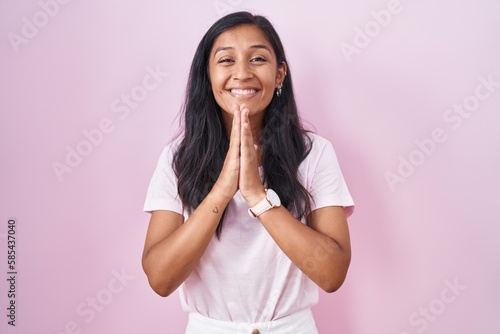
243 69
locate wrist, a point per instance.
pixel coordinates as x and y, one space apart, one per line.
256 197
269 201
218 193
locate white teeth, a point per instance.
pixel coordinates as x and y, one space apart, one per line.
243 91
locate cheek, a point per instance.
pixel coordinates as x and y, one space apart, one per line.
271 79
217 78
270 85
214 77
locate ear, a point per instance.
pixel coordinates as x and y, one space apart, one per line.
281 75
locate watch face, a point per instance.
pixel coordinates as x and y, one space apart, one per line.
273 197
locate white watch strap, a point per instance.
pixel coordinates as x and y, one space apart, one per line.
260 208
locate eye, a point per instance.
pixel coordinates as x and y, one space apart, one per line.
258 59
225 60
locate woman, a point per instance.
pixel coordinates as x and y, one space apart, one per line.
248 209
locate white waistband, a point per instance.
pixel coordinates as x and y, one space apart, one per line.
301 322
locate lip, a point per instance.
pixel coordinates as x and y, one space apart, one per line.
243 92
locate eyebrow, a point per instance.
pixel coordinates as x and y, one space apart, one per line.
256 46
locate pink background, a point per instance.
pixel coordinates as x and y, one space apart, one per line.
411 241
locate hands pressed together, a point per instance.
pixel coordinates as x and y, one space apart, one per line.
241 167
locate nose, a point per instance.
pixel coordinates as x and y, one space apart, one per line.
242 71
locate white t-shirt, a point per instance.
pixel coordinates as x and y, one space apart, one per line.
246 277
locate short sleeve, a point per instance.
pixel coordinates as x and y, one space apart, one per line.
326 181
162 191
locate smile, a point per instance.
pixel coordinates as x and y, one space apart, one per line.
243 93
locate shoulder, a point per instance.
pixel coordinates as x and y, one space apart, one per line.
172 146
168 152
317 139
321 155
318 144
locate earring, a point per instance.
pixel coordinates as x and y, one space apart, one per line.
279 90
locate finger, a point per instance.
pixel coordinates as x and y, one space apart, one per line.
247 146
244 113
236 127
236 115
243 106
244 116
246 133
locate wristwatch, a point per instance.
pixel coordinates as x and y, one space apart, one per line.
271 200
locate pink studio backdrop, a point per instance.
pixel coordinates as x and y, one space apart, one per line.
408 92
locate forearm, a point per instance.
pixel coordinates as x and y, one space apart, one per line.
173 255
170 261
323 259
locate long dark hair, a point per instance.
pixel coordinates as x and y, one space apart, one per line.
284 142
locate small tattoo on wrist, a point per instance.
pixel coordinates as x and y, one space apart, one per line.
215 210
